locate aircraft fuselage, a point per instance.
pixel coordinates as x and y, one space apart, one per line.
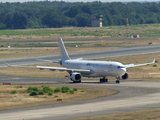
98 68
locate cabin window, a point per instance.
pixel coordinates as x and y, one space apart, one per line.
88 64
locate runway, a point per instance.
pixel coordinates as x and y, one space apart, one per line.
134 95
87 55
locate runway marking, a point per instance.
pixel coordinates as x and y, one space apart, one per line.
10 78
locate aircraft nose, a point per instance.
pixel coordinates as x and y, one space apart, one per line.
123 71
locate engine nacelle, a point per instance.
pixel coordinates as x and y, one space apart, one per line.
125 76
75 77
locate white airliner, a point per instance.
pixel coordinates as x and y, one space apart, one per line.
87 68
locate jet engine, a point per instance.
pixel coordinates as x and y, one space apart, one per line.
75 77
125 76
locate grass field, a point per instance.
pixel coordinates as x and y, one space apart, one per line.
146 30
22 99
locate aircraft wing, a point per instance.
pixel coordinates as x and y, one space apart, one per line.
65 69
133 65
53 68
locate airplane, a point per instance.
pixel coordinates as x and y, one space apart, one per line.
78 68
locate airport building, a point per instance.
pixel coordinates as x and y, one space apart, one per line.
96 21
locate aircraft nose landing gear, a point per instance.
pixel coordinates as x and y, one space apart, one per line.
118 80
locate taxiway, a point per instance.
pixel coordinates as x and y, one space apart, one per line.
134 95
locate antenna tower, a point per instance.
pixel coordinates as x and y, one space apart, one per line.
127 31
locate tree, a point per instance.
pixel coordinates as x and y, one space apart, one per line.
1 15
141 20
109 20
34 23
2 26
58 14
54 19
83 20
86 9
73 11
20 21
72 22
8 20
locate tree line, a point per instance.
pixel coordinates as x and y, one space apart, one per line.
47 14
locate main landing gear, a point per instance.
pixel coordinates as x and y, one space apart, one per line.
103 80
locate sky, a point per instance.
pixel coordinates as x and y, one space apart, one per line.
81 0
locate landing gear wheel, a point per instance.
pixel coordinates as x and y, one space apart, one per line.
101 80
77 81
117 81
106 80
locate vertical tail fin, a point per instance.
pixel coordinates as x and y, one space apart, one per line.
64 54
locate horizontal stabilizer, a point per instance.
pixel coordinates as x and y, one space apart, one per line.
19 66
48 61
78 59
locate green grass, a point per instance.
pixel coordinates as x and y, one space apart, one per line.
34 91
13 92
40 45
43 32
19 86
145 30
33 32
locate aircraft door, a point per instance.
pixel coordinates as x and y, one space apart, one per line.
111 69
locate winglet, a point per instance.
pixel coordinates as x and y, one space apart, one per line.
153 61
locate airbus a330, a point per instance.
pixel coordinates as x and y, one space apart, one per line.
78 68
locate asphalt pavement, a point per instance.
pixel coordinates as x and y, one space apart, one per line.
87 55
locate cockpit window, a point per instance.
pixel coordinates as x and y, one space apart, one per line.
120 67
